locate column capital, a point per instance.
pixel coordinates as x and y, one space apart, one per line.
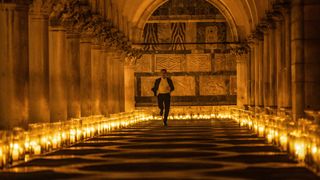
283 6
14 5
41 7
240 50
275 16
257 35
130 62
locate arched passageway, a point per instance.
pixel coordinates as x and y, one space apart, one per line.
79 67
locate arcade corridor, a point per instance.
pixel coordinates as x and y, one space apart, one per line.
79 81
187 149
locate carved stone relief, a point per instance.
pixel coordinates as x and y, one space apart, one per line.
184 86
219 62
198 63
144 64
211 36
170 62
146 85
214 85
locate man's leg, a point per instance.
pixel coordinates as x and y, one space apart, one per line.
166 107
160 103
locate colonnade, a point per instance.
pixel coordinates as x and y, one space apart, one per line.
281 71
56 66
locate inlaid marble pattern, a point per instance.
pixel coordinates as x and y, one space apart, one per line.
214 85
219 62
171 62
231 64
198 62
147 83
184 86
144 64
198 149
224 62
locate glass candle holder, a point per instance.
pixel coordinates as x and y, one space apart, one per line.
4 148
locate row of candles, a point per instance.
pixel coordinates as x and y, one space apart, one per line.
300 138
20 145
186 116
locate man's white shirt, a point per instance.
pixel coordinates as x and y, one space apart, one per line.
164 86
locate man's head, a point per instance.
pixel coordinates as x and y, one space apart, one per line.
163 73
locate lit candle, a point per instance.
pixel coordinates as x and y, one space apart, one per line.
37 149
1 156
72 136
300 150
15 152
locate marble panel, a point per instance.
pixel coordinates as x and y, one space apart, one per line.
146 85
144 64
213 85
184 86
211 36
230 63
198 62
171 62
219 62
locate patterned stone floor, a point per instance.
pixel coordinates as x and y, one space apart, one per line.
199 149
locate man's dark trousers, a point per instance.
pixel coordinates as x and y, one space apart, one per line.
164 99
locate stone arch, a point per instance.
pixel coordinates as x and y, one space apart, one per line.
139 26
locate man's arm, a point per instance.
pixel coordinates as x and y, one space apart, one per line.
155 87
170 84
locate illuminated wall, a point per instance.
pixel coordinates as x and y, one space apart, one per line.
190 40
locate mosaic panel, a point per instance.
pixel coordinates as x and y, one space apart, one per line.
213 85
231 64
198 62
219 62
211 36
146 85
170 62
144 64
184 86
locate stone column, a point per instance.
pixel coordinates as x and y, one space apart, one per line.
252 75
73 74
116 82
129 85
260 72
121 85
13 65
272 68
110 80
242 60
280 60
311 52
249 95
39 110
57 74
96 74
256 74
297 64
85 76
287 89
104 82
266 68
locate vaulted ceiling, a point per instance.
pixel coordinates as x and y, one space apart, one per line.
130 16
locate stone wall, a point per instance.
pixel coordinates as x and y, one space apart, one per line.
190 40
199 79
